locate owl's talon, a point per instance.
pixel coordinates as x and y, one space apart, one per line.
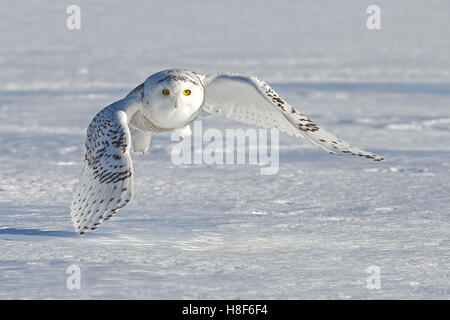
183 132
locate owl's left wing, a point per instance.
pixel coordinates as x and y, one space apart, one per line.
251 100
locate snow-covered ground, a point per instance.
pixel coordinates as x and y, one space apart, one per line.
209 232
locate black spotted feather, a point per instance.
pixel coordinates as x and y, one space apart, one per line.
106 184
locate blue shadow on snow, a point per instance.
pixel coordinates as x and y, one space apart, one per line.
37 232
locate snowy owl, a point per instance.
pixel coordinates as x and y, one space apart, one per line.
171 100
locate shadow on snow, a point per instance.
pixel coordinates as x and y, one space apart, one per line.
37 232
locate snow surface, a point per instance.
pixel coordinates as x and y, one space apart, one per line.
211 232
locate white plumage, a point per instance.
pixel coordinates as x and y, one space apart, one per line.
171 100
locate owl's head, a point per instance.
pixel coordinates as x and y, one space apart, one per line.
172 97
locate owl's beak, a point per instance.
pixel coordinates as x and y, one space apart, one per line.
176 103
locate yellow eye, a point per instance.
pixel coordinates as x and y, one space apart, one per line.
166 92
187 92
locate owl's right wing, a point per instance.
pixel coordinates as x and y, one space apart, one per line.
106 184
